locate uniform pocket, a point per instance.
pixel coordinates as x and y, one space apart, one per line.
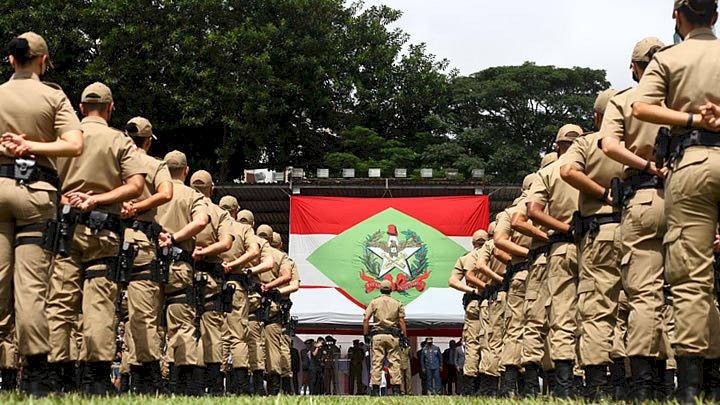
691 157
676 256
585 286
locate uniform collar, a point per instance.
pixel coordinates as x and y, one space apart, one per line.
701 33
25 75
94 119
176 181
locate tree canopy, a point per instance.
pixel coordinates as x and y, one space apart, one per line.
308 83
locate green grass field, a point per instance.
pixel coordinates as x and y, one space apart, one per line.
281 400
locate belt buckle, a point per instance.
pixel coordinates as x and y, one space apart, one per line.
24 169
96 221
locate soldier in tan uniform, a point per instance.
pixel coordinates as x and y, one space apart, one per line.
38 123
245 249
210 244
551 203
463 279
94 187
642 228
144 290
675 90
263 263
182 219
517 246
388 314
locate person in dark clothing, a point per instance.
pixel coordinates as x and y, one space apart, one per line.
450 370
319 353
295 367
423 380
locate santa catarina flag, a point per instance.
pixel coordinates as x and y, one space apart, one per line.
352 244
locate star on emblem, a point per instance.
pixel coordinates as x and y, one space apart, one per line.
393 257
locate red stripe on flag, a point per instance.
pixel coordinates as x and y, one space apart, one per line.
453 216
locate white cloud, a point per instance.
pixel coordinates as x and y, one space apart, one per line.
476 34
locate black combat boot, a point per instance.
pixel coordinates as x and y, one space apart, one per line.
242 381
154 376
68 376
375 391
36 380
394 390
641 368
9 379
690 379
172 383
273 384
669 383
124 384
564 379
531 380
509 382
258 383
596 383
196 382
97 378
287 386
711 380
137 379
617 380
658 385
214 379
489 385
548 382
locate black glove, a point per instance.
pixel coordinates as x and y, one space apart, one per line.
367 339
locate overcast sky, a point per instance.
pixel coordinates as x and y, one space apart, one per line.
475 34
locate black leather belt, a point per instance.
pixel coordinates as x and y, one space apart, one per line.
678 143
151 229
26 171
215 270
98 221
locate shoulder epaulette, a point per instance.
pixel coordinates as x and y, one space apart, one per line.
623 91
664 48
53 85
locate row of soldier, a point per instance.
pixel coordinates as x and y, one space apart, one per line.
85 213
599 277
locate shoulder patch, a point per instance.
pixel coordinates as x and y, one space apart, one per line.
53 85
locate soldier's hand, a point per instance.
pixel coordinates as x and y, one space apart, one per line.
165 239
657 172
128 210
263 288
710 116
198 253
226 267
82 201
15 145
716 244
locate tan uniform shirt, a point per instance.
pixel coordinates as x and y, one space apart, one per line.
187 205
39 110
220 225
265 252
683 76
108 159
586 155
244 236
503 226
466 263
385 312
639 136
157 174
558 197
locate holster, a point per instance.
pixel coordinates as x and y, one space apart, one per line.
468 298
169 255
662 147
576 226
151 229
196 298
641 181
246 282
616 192
591 224
67 221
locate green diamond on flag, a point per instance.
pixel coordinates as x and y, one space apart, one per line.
389 245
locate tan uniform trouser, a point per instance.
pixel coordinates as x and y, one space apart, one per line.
286 359
514 321
185 350
692 193
490 354
562 280
237 324
256 336
383 346
97 299
24 272
471 339
274 339
620 330
212 326
669 332
406 382
598 292
145 300
535 329
643 227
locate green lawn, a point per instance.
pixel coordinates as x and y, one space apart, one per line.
281 400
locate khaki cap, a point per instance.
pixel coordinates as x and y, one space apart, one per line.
528 180
229 203
602 99
37 45
491 228
479 235
246 217
277 239
568 133
175 160
139 127
643 48
548 159
201 179
385 285
96 93
265 231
